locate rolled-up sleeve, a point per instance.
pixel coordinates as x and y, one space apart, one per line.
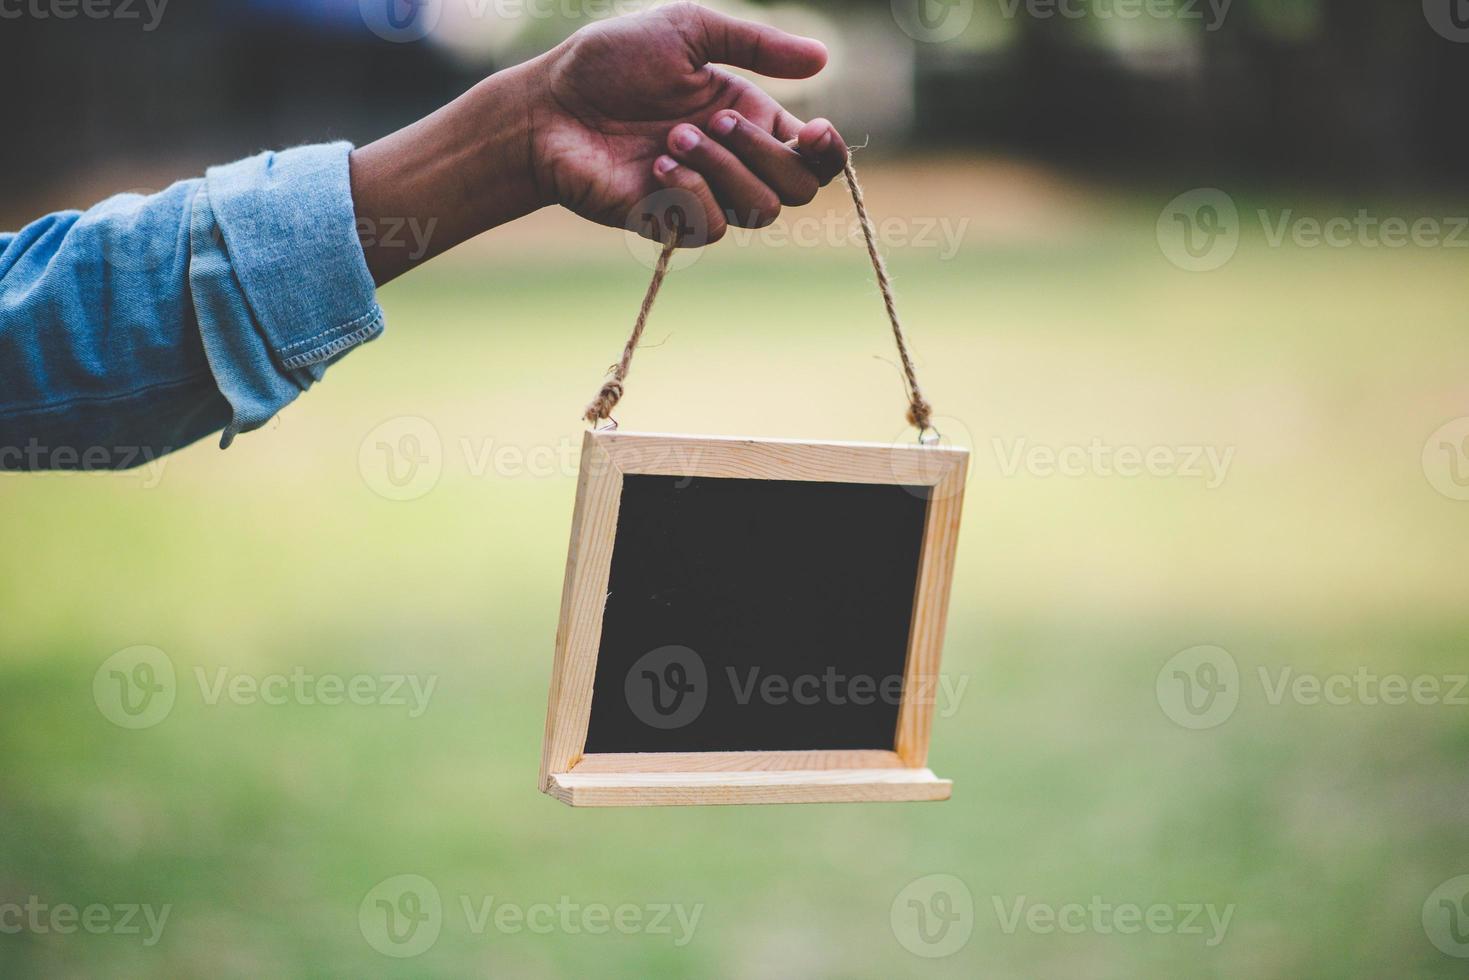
148 322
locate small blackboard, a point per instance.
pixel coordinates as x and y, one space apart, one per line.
751 621
747 615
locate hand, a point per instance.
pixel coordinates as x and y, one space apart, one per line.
633 105
620 110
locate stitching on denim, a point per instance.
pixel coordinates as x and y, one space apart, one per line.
349 325
334 346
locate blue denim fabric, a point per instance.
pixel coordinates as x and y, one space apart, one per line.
146 323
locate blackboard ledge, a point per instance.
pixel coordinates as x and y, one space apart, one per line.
715 788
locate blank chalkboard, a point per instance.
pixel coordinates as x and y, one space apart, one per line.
748 620
756 615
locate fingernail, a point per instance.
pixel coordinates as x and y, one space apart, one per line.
664 165
724 125
823 141
685 139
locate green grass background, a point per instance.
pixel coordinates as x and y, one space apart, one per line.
1325 550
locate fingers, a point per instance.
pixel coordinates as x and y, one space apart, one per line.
716 37
740 174
747 196
823 149
779 165
671 174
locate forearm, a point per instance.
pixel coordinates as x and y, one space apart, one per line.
450 176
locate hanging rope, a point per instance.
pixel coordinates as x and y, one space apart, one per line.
920 413
611 393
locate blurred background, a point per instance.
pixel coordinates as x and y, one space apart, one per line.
1189 279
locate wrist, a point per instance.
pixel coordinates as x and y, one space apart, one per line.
460 171
501 115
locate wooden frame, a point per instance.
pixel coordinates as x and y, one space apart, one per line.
659 778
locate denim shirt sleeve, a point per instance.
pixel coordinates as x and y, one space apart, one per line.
146 323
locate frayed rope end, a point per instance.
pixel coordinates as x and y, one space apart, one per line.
920 413
601 407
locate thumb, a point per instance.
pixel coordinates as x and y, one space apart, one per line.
717 37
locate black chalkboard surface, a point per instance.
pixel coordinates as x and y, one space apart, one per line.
756 614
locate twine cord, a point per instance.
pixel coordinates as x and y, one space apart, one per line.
920 412
611 392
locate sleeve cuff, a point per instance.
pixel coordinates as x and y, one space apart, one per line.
290 228
280 286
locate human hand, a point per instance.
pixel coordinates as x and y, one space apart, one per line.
634 105
619 111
